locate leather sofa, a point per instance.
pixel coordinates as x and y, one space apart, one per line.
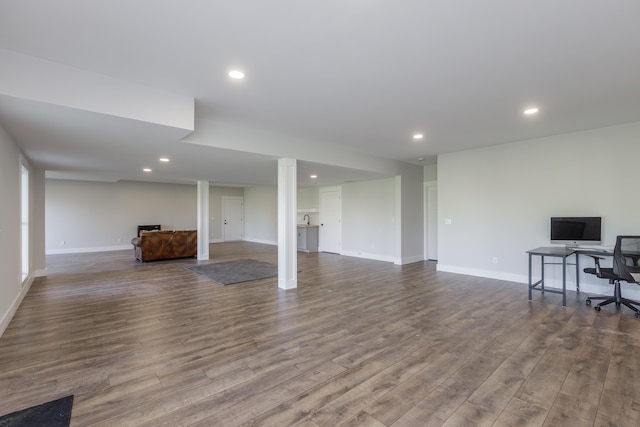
165 244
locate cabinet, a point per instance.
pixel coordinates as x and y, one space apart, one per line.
308 238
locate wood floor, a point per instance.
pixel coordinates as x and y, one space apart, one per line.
359 342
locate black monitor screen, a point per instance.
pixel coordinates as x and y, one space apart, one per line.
576 229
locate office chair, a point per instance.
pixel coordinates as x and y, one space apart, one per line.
625 268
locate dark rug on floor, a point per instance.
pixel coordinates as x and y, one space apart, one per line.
56 413
230 272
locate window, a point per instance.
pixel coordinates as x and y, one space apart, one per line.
24 220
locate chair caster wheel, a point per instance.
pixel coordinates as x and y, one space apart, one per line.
597 308
588 301
637 314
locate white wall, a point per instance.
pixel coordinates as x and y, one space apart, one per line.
411 215
12 288
9 226
499 199
216 217
368 219
94 216
37 225
368 216
308 201
261 214
430 173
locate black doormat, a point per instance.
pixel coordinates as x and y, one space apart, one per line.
56 413
230 272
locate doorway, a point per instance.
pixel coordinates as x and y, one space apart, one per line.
330 215
232 218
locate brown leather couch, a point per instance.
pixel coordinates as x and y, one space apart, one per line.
165 244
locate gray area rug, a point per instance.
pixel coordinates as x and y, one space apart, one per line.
230 272
56 413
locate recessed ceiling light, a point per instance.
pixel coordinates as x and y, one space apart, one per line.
146 170
531 111
164 159
236 74
418 136
313 176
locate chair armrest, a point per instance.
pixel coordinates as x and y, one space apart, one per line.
596 260
135 241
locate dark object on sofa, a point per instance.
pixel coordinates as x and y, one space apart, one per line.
165 244
142 228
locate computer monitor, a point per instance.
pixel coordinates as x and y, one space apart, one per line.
577 230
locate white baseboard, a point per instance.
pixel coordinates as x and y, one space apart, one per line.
497 275
266 242
590 286
375 257
88 250
6 319
409 260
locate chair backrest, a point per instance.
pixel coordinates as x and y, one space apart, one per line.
626 253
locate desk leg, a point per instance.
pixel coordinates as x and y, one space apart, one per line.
577 274
564 281
542 273
530 277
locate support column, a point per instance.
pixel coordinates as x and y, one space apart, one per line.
397 251
203 220
287 224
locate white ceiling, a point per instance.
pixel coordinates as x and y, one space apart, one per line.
354 75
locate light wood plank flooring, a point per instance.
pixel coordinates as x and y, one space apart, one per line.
360 342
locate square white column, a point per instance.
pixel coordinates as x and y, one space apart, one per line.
287 224
203 219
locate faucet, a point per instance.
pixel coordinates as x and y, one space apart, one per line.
306 216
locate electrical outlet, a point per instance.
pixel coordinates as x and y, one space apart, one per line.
495 259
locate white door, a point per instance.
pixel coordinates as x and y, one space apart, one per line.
330 215
431 220
232 218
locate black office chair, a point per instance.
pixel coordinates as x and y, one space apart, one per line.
625 268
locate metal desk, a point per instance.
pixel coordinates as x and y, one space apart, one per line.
564 253
555 252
